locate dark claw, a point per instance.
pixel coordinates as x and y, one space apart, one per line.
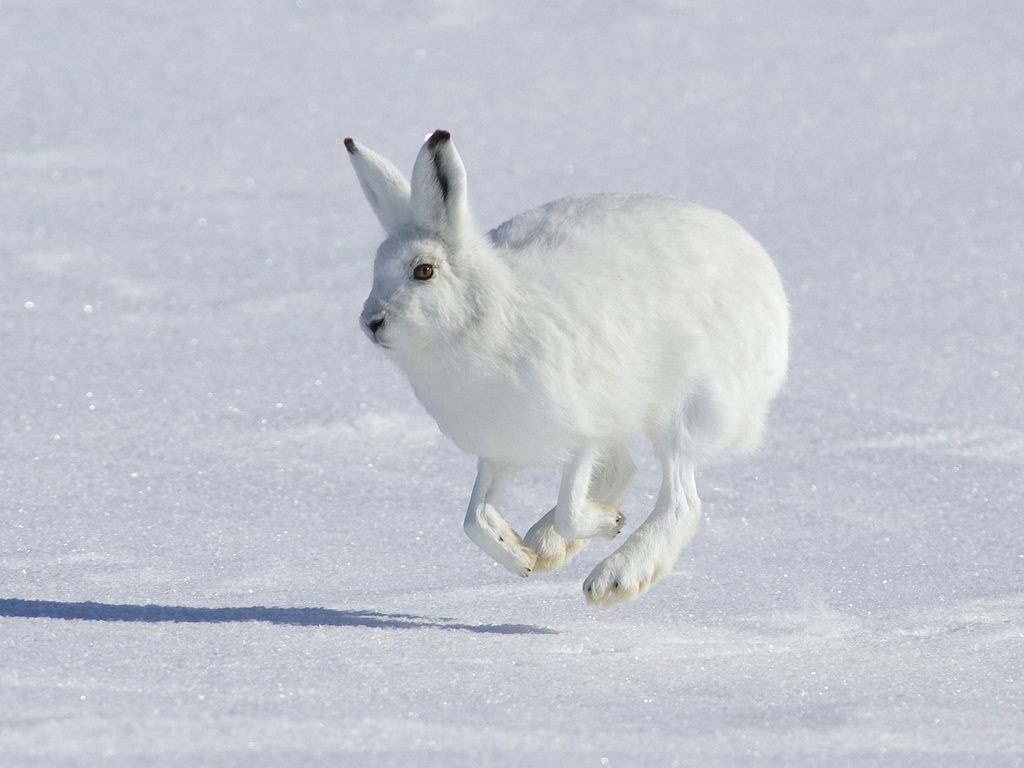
350 146
615 585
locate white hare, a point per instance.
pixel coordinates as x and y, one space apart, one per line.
572 327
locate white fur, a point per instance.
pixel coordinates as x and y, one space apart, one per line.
567 330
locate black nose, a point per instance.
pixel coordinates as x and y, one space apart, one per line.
375 323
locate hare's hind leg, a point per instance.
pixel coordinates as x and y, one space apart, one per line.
610 479
488 529
652 550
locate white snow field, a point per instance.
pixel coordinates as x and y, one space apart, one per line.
231 537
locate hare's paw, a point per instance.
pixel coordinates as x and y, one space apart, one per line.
523 561
593 519
623 576
614 521
514 553
553 551
492 533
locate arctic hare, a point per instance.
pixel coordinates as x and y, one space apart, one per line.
572 327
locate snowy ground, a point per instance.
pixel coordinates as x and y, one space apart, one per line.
231 537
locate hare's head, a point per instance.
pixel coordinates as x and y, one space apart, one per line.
423 276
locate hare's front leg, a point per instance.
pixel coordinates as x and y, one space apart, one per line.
610 481
577 514
488 529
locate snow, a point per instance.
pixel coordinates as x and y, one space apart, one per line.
230 535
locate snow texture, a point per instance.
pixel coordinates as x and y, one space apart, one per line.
230 536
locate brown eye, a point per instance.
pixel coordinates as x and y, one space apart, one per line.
423 271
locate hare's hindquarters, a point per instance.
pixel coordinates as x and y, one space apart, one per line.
746 341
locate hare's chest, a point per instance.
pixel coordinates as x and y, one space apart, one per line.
496 417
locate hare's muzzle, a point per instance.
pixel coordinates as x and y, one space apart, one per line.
373 324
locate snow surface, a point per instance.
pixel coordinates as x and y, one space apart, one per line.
231 537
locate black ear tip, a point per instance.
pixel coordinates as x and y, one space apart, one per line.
350 146
438 137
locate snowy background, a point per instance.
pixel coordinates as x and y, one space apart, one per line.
229 535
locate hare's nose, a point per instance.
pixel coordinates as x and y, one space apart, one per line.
374 323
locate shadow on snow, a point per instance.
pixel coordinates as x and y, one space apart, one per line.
302 617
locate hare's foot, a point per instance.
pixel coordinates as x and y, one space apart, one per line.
631 570
553 551
618 579
589 520
609 521
493 534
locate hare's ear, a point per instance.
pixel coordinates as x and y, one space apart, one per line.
385 188
439 203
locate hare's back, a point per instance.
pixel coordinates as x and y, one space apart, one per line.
678 290
604 244
562 225
640 226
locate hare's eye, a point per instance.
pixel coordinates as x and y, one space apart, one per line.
423 271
